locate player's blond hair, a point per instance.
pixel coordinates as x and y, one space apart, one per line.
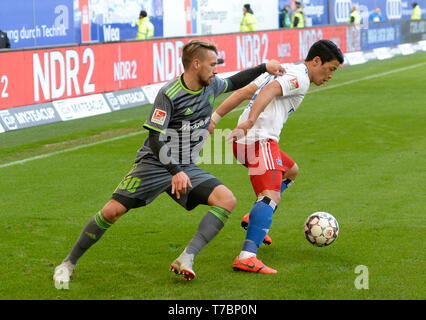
195 49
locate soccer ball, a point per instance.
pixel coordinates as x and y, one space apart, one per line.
321 229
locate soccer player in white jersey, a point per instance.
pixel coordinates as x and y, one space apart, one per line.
255 139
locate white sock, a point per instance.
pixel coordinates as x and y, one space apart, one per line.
246 255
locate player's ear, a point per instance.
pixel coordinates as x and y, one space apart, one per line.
196 63
317 61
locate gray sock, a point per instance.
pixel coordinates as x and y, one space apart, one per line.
91 233
208 228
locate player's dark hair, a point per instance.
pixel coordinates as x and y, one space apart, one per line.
326 50
196 49
143 13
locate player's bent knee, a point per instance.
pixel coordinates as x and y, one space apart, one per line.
222 197
228 202
113 210
271 194
231 202
292 173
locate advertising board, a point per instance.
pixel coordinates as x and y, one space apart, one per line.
43 75
30 23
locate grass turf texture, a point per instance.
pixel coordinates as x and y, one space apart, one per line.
361 152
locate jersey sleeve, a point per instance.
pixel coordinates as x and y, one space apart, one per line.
160 115
291 85
220 86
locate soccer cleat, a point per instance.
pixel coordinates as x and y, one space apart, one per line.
183 265
63 274
251 264
244 224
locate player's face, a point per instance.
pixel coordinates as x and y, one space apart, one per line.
324 72
207 68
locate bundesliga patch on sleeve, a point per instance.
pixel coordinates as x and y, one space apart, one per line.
294 84
159 117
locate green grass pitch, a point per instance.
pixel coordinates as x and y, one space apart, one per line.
360 145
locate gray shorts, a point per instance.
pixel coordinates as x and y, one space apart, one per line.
147 180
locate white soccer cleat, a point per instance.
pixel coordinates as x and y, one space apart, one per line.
183 265
63 274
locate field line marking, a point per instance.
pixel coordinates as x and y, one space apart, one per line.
46 155
373 76
87 145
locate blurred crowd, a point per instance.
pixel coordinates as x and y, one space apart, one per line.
294 17
289 17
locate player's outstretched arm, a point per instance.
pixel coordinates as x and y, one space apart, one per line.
265 96
230 103
243 92
243 78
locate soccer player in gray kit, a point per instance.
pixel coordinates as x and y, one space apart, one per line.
178 126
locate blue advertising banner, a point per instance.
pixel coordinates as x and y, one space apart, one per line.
383 34
30 23
316 11
388 9
194 11
113 20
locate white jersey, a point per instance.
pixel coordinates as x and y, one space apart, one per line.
295 84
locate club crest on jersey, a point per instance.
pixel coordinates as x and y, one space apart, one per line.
294 84
159 116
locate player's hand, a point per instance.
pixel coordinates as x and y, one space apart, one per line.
240 131
275 68
179 183
211 126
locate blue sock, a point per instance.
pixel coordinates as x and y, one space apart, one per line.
283 187
286 184
260 221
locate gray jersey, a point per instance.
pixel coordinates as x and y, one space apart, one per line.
183 118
